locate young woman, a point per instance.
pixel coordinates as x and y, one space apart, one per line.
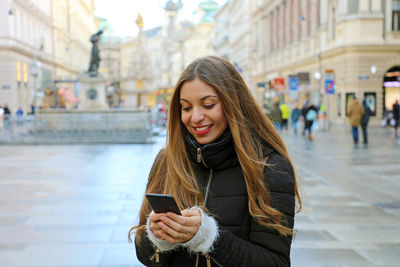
229 172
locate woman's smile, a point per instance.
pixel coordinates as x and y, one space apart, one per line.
201 130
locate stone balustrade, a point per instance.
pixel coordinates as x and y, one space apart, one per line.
65 127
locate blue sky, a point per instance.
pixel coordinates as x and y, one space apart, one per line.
121 14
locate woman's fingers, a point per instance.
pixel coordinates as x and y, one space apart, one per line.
154 217
175 228
181 228
172 235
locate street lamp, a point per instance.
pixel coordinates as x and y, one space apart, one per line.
179 32
317 75
373 69
35 71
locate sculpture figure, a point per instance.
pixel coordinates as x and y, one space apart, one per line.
95 54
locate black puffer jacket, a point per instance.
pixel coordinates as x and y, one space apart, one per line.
242 241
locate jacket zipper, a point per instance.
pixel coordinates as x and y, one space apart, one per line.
208 258
216 262
156 255
208 187
199 157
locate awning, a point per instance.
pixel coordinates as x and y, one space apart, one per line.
69 96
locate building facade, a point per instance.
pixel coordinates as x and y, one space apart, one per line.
26 51
73 23
327 51
221 33
43 45
140 69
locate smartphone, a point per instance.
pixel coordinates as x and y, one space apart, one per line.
163 203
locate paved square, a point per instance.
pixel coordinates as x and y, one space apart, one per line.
72 205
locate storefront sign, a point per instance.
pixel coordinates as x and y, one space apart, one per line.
293 83
304 77
370 98
391 84
261 84
279 84
329 86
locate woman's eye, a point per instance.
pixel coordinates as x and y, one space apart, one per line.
209 106
185 108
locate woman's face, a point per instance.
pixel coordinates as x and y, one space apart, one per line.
202 111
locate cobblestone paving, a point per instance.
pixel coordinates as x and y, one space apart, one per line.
72 206
351 199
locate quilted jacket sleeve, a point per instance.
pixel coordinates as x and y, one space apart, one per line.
265 247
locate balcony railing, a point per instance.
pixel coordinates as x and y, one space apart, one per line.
78 127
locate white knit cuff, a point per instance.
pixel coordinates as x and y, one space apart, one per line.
205 236
162 245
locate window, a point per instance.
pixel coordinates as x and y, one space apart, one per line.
396 15
332 22
352 6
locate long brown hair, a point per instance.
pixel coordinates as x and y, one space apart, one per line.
172 172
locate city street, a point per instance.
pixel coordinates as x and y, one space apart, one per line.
73 205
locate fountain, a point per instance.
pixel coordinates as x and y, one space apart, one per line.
92 122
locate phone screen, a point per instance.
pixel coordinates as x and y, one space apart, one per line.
162 203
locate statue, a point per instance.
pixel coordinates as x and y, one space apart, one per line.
95 54
139 21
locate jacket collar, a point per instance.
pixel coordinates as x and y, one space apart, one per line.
217 155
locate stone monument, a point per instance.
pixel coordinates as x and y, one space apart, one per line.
93 93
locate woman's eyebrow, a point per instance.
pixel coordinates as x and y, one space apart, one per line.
204 97
207 96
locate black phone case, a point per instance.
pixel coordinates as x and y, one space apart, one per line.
163 203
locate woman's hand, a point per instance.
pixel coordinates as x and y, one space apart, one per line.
175 228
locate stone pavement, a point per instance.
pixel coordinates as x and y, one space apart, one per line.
351 199
72 205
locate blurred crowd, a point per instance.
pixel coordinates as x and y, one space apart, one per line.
310 117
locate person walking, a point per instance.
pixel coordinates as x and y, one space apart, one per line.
303 114
355 112
7 112
276 115
1 119
19 112
296 113
396 117
285 116
229 172
311 114
365 120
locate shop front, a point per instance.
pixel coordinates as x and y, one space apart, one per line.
391 87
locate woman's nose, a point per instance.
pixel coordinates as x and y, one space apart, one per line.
197 115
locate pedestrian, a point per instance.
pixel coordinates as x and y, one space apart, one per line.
1 119
303 114
323 117
32 109
285 116
296 113
19 112
311 115
236 210
396 117
355 112
276 115
365 120
7 112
